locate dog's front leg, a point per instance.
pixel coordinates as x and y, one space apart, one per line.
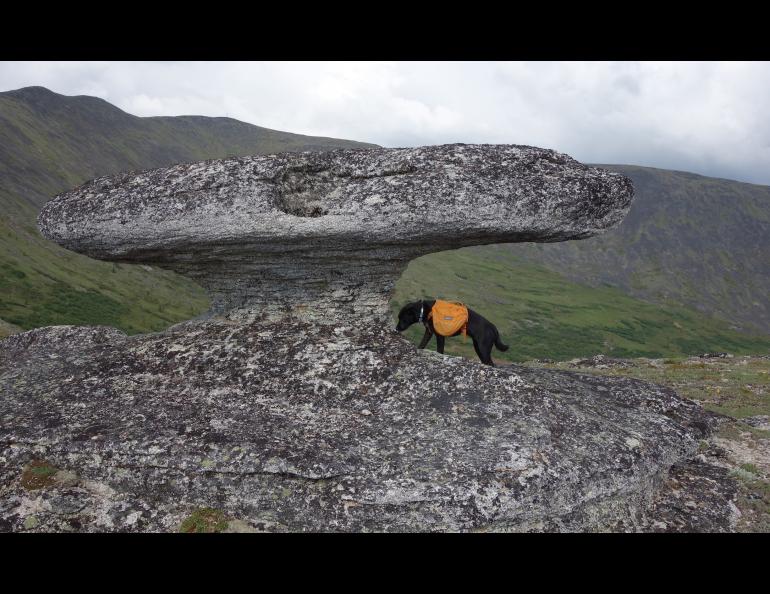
439 344
426 338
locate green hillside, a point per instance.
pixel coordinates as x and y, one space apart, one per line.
688 239
542 314
50 143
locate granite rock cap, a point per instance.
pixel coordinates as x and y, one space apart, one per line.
334 230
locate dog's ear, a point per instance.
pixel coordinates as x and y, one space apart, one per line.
403 312
408 308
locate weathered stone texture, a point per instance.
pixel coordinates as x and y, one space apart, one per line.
281 424
297 232
302 409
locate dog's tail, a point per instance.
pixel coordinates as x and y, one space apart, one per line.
499 343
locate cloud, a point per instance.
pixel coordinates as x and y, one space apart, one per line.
705 117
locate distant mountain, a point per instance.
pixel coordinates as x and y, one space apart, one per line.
688 240
50 143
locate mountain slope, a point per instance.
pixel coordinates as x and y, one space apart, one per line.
688 240
50 143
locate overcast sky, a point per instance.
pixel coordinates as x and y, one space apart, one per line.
705 117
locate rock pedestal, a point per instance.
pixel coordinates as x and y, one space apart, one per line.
297 406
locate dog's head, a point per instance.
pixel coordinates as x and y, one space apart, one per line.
409 314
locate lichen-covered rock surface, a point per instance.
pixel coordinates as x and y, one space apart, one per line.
283 426
297 407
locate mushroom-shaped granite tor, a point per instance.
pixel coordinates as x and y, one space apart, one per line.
331 231
297 406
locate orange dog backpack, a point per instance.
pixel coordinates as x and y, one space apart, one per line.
449 317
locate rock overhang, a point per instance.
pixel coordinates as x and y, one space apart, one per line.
476 193
331 228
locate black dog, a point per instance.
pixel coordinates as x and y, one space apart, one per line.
482 331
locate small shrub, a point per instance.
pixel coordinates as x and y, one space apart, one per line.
750 468
744 475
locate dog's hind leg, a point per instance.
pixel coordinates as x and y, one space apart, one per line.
484 352
476 348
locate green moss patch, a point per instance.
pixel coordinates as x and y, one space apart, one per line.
205 520
38 474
